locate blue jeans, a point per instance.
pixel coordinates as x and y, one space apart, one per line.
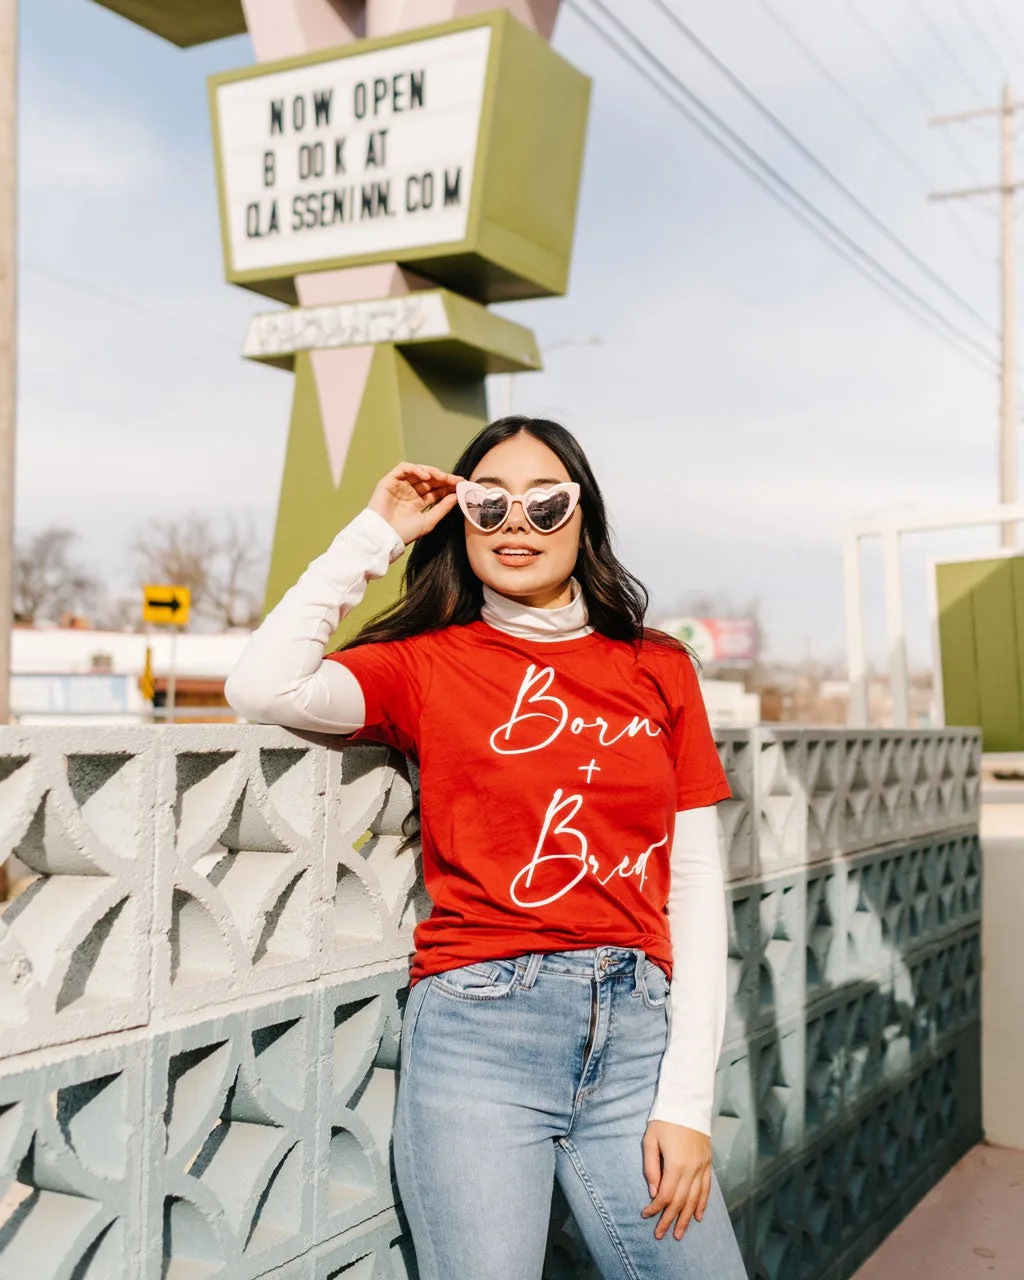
516 1072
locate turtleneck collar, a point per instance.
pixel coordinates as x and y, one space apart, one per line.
567 622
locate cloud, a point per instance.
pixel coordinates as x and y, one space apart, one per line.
70 143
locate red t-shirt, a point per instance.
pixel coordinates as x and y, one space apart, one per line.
550 775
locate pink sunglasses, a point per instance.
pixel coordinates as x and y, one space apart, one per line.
486 507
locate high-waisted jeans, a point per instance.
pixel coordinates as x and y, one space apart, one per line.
516 1072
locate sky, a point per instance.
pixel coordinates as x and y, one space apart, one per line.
750 396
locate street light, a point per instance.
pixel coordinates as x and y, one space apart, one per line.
590 340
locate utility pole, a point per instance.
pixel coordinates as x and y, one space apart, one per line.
8 330
1006 189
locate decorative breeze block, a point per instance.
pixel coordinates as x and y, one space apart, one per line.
76 808
239 865
71 1154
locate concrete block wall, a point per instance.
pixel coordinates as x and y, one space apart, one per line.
849 1079
201 995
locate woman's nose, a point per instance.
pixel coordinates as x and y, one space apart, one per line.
522 514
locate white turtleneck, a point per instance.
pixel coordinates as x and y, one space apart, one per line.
282 678
566 622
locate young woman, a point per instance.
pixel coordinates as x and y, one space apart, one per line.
568 779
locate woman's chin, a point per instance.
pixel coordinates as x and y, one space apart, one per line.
529 584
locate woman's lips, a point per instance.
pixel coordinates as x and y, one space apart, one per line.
516 557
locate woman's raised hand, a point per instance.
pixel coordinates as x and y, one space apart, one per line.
413 498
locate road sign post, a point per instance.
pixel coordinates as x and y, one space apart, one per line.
167 605
171 676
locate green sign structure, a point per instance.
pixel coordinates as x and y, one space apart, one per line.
353 183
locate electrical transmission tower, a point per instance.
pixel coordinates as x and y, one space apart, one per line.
1006 189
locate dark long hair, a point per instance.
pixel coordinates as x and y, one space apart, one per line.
441 589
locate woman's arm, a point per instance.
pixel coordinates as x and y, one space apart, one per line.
697 1003
281 677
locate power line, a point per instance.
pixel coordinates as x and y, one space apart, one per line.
1004 31
980 35
79 286
817 162
940 40
887 140
876 39
789 197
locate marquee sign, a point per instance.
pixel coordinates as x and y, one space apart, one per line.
454 149
366 154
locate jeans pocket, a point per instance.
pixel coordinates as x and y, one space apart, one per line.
655 986
482 980
410 1013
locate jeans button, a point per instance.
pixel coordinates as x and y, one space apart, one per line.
605 961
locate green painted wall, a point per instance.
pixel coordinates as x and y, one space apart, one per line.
183 22
981 642
408 411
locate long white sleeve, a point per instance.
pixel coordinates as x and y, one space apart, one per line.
697 1001
281 677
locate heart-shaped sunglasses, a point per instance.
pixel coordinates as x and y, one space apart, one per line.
486 507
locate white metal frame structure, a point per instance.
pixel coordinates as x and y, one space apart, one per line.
891 529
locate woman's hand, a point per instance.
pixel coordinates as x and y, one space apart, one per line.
677 1166
413 498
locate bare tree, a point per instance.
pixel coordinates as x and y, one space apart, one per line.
237 575
223 567
47 580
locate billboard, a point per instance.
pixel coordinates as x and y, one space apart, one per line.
729 641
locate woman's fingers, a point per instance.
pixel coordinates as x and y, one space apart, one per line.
667 1185
677 1202
422 471
416 481
413 497
438 512
705 1193
652 1162
685 1210
677 1197
431 484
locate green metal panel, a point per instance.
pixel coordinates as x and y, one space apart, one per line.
956 643
1017 573
527 170
183 22
981 641
533 160
995 643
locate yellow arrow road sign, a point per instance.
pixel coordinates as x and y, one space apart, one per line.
164 604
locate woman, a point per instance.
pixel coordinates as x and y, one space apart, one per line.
568 779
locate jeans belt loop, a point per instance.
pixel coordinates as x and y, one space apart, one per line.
532 969
639 978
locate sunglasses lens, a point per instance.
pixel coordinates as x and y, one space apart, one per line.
486 508
548 510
